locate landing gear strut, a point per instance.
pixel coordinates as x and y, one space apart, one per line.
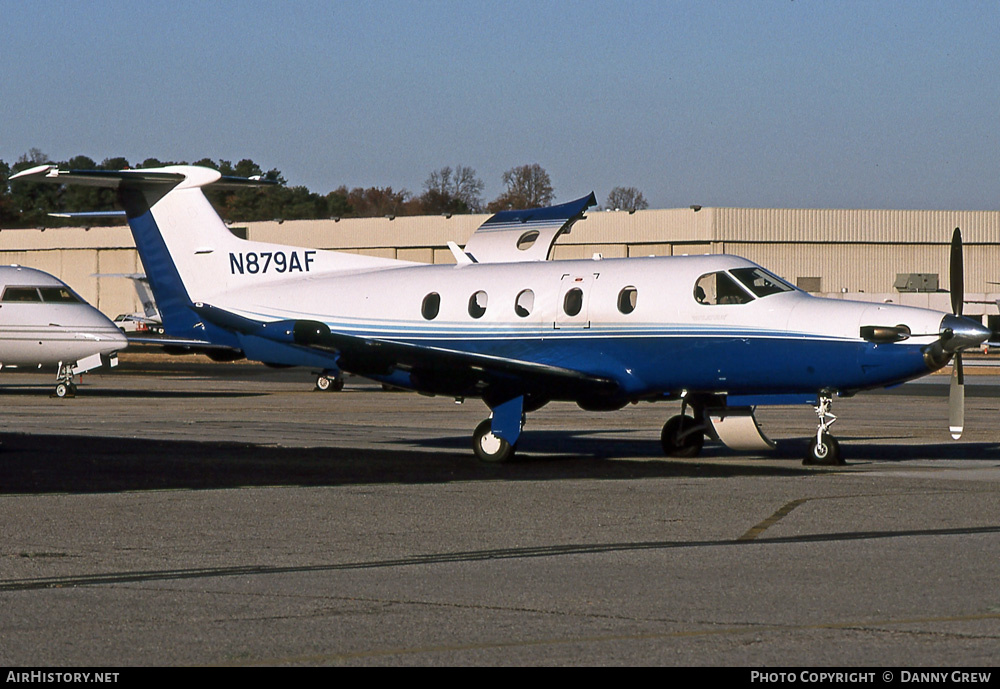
683 435
495 438
65 387
824 448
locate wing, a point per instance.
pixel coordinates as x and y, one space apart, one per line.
431 368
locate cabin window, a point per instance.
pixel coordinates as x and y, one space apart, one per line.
761 282
524 303
21 294
527 240
719 288
626 300
60 295
573 302
477 304
432 304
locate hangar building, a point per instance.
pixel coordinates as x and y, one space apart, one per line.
871 255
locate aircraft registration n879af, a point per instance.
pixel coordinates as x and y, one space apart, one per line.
517 330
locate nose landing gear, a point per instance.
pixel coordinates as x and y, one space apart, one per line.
65 387
824 449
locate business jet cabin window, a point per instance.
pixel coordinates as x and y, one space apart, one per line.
524 303
477 304
626 300
431 305
573 302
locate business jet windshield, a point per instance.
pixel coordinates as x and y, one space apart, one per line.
51 295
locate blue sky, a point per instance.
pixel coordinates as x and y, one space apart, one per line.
876 104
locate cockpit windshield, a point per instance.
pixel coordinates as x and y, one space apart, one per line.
761 282
60 295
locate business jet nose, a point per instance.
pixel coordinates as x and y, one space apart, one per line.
958 333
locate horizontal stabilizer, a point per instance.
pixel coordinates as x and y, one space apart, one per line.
153 177
525 235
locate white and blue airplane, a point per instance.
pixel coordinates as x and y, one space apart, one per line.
44 324
509 326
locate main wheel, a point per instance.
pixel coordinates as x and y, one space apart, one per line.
675 443
62 390
826 452
488 447
329 383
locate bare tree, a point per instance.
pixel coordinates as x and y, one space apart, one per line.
528 186
626 199
453 191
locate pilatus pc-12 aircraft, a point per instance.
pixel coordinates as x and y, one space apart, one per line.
46 325
505 324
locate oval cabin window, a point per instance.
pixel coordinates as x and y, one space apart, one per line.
573 302
527 240
477 304
524 303
626 300
431 306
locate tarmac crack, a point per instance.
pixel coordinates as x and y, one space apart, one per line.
467 556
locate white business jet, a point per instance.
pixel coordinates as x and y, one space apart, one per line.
517 330
45 324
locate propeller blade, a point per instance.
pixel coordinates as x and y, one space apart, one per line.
956 399
957 275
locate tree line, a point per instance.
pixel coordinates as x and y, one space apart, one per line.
445 191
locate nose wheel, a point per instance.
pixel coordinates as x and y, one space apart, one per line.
824 450
682 436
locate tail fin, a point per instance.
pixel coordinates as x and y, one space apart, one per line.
188 252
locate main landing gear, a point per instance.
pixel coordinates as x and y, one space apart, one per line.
824 449
495 439
328 381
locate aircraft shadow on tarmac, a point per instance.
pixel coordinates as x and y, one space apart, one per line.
88 464
30 390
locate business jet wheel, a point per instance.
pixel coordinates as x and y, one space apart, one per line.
489 447
65 390
826 452
329 384
674 445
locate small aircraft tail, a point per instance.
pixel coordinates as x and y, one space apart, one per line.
189 254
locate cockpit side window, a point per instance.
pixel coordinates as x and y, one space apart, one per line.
11 294
59 295
719 288
761 282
